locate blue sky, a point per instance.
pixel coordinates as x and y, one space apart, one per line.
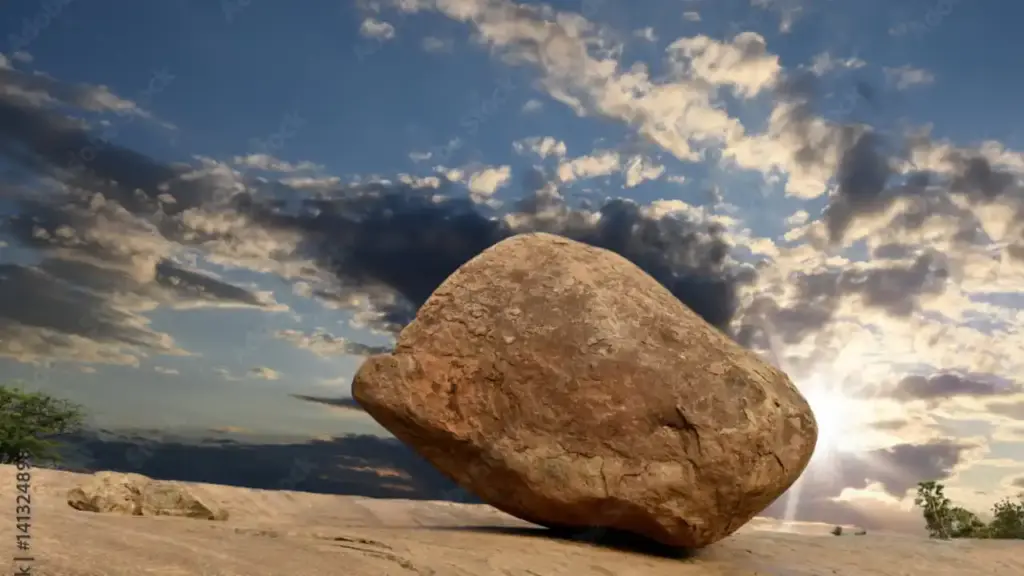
836 184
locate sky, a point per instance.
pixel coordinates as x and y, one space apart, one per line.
213 211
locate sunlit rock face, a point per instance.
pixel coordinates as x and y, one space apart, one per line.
565 386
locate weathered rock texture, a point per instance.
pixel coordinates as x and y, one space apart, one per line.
137 495
565 386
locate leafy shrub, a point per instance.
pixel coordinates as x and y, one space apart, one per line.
28 423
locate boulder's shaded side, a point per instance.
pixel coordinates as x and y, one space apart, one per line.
138 495
565 386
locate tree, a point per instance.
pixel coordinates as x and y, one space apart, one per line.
938 510
944 520
28 423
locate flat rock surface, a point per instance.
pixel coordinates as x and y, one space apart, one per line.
285 533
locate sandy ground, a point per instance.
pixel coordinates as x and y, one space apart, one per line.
287 533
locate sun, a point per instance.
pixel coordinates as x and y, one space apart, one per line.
844 415
830 413
840 418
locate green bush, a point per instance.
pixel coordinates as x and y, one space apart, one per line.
28 423
1008 519
944 520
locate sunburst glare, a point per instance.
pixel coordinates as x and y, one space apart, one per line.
837 416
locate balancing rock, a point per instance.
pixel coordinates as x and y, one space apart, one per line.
562 384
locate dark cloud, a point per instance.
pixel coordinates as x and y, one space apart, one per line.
29 88
894 288
890 425
35 298
1017 482
200 286
409 242
1013 410
949 385
897 468
900 467
43 140
893 252
345 403
365 465
862 176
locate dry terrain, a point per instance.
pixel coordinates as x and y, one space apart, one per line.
286 533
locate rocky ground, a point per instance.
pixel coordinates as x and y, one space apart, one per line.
283 533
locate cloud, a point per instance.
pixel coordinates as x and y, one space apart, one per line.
825 63
323 343
948 385
532 105
798 218
264 373
640 169
906 77
226 374
1012 410
573 58
487 181
43 316
373 28
437 45
646 34
600 163
395 242
364 465
889 189
543 147
268 163
347 403
818 296
691 16
743 64
41 90
166 371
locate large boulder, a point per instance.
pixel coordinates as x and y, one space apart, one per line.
565 386
138 495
